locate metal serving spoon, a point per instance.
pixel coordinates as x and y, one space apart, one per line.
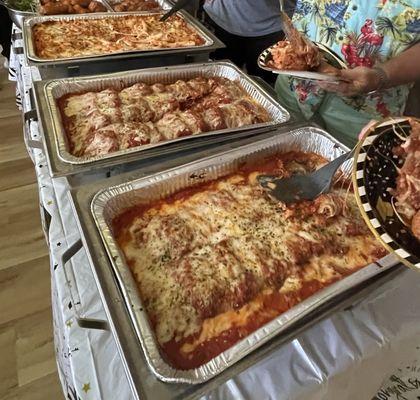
303 187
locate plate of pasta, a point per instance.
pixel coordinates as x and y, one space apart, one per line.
386 176
301 58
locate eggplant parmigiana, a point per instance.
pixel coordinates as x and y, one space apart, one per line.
215 262
103 36
98 123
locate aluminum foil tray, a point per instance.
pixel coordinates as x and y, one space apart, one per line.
164 4
54 89
103 2
18 16
111 202
30 45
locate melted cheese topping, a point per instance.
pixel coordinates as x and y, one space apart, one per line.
214 327
206 261
117 34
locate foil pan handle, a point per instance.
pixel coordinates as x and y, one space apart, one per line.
30 143
27 118
88 323
16 35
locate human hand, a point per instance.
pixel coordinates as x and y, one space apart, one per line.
354 82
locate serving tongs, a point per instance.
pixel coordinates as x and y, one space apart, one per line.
294 36
303 187
180 4
316 52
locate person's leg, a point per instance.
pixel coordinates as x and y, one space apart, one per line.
5 31
253 47
341 120
233 50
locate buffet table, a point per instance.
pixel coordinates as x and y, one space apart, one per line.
349 355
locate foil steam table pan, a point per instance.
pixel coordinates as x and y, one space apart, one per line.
54 89
163 4
29 44
17 16
111 202
103 2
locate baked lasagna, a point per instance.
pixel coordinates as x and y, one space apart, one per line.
98 123
215 262
109 35
407 191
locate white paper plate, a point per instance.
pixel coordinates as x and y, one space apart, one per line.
332 58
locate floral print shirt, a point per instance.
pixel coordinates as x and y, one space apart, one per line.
363 33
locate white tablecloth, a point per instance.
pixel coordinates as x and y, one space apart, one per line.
347 356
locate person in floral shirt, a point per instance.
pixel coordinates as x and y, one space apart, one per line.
380 42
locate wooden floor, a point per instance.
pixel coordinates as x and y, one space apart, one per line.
27 362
